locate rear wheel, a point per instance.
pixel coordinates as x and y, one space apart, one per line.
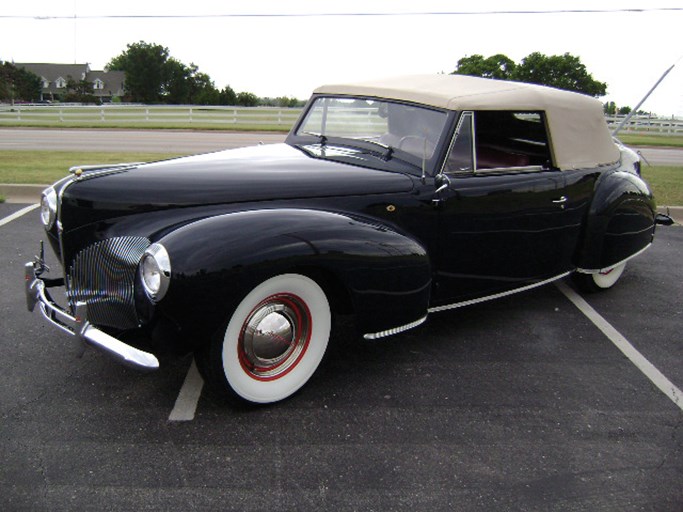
592 283
274 341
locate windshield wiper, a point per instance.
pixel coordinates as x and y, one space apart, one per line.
388 150
322 138
366 145
388 153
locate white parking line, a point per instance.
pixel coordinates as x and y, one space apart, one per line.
186 403
645 366
18 214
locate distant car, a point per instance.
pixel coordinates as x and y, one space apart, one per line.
389 200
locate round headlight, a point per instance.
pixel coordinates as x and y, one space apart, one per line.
48 207
155 270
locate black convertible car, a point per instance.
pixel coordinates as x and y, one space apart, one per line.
389 200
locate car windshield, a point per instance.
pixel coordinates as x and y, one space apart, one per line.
412 131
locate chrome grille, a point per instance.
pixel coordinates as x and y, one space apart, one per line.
103 276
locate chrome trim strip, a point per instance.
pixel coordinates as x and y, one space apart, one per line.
463 114
395 330
91 167
100 172
78 325
511 169
58 221
497 295
607 269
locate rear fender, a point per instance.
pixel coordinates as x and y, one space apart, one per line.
620 223
216 261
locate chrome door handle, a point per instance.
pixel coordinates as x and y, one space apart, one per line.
441 188
560 201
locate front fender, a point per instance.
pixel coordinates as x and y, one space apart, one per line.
216 261
620 222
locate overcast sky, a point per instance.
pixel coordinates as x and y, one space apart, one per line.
287 48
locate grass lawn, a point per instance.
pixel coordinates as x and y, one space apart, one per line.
666 183
151 125
674 141
44 167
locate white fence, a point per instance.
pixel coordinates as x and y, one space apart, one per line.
646 124
170 115
216 116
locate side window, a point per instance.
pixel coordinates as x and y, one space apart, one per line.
460 153
505 139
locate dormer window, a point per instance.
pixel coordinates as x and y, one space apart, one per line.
46 82
60 83
98 84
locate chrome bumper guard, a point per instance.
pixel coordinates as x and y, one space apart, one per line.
78 325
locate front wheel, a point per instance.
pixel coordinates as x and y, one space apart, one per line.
274 340
592 283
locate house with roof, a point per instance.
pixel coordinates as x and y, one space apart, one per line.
55 79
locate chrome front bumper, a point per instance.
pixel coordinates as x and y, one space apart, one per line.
78 325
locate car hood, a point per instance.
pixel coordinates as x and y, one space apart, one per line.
265 172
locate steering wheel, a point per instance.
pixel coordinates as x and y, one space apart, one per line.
409 137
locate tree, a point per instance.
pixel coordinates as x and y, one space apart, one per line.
202 90
497 66
18 84
176 88
281 101
227 96
187 85
560 71
153 76
247 99
147 70
610 108
79 91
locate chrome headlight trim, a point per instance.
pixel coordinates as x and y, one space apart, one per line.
155 272
48 207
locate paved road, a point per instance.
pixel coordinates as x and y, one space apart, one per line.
188 142
662 156
154 141
518 405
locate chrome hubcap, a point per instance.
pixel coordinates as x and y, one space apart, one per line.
274 336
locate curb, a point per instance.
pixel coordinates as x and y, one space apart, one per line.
31 194
21 193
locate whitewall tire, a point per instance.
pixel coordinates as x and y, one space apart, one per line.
609 278
275 339
599 281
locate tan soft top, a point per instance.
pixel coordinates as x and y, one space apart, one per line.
579 134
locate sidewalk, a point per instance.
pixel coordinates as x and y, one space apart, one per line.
31 194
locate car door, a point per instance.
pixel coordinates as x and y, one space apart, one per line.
502 218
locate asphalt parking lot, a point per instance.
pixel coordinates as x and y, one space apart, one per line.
522 404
